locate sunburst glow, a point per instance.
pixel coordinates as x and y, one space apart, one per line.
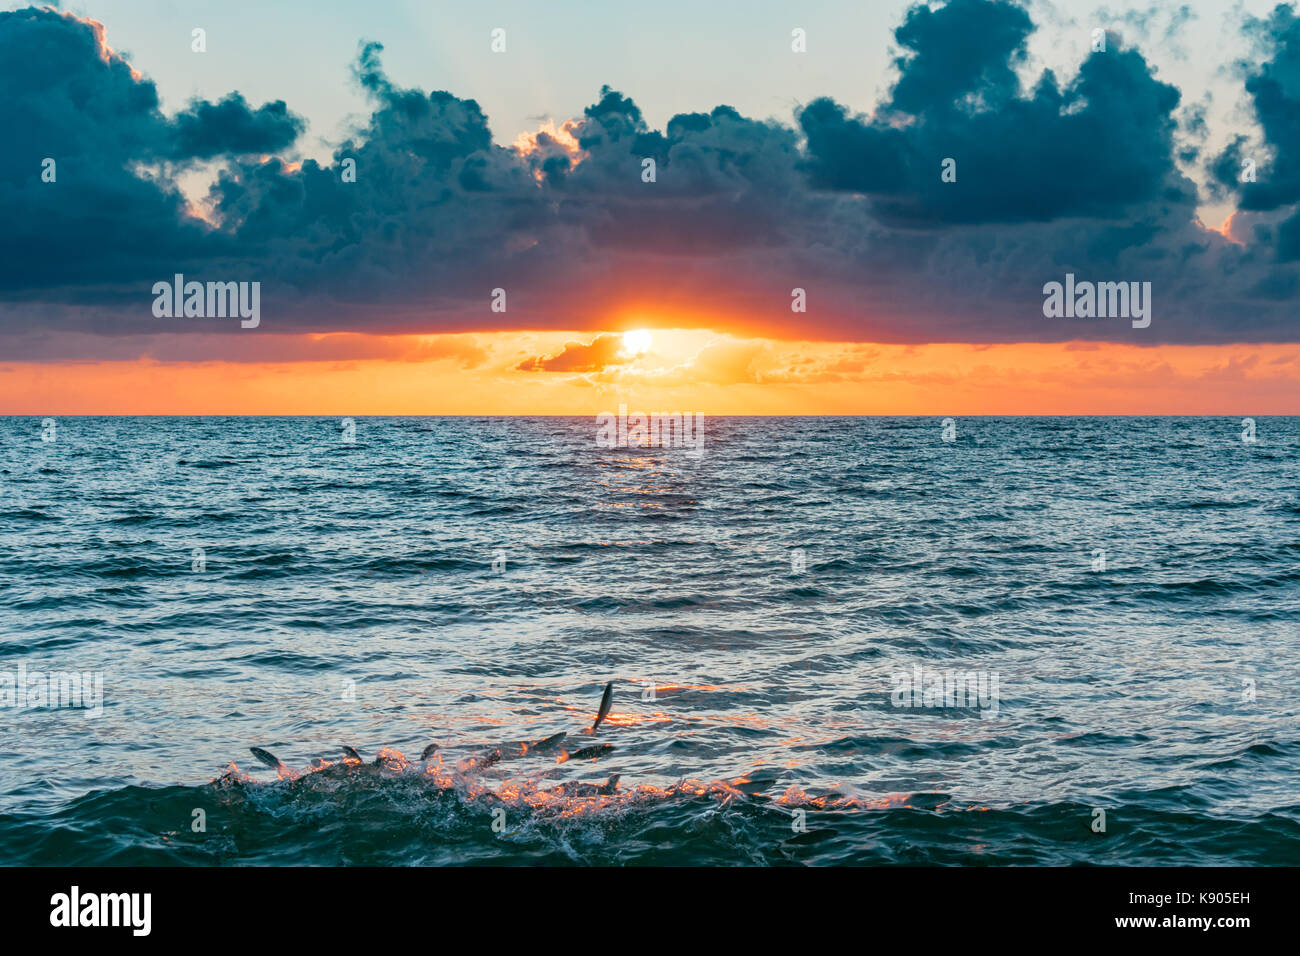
637 341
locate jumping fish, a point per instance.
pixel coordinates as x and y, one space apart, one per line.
578 789
755 783
605 701
541 746
586 753
351 756
267 758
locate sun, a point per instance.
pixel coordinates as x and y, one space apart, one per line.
637 341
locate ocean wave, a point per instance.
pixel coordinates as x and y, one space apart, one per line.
1132 583
410 817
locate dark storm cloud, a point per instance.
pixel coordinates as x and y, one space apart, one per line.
1273 88
106 219
1094 148
1074 174
206 129
437 215
66 99
965 47
721 182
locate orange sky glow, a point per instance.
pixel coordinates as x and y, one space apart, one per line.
584 373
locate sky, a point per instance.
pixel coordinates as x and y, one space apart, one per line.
852 208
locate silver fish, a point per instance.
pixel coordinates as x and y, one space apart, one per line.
541 746
586 753
605 700
267 758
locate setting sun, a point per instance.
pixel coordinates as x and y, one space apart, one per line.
636 342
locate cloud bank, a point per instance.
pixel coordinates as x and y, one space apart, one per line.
1074 174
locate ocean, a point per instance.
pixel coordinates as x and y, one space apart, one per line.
831 641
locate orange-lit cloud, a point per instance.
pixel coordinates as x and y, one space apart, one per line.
601 352
106 53
549 142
